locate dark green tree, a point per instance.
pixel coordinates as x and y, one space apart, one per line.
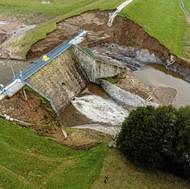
158 138
148 134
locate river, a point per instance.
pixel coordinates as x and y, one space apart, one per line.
158 76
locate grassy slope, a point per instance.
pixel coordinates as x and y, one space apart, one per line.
29 161
124 175
162 19
187 4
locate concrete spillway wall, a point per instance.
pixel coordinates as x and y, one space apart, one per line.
95 67
60 80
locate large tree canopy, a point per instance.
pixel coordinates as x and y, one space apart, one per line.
158 138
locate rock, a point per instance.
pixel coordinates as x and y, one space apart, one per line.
144 55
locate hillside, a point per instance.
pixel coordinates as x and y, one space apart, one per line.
31 161
45 16
162 19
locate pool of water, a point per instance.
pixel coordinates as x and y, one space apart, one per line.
159 76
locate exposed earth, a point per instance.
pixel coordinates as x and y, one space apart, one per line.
10 30
125 42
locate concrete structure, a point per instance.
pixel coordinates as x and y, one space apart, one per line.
59 81
97 67
63 73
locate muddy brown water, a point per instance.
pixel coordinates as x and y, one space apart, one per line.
158 76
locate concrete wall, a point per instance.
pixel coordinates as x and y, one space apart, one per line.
94 67
125 98
60 80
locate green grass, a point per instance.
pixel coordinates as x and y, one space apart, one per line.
187 4
162 19
124 175
30 161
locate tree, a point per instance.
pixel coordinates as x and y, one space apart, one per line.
158 138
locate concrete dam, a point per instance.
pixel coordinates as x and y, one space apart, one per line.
65 75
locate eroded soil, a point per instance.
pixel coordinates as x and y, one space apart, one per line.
31 110
43 120
10 30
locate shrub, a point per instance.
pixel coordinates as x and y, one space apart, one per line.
158 138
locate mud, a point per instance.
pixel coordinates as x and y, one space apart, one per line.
123 32
167 86
31 110
10 30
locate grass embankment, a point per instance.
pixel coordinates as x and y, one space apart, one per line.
162 19
56 11
124 175
30 161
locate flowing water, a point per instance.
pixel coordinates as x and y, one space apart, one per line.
100 110
159 76
93 106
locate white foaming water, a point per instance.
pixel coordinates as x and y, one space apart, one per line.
100 110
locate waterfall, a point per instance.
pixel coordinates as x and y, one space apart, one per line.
100 110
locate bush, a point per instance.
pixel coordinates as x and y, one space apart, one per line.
158 138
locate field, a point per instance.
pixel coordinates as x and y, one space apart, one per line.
162 19
30 161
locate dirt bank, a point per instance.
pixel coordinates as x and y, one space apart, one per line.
32 110
35 111
10 30
123 32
